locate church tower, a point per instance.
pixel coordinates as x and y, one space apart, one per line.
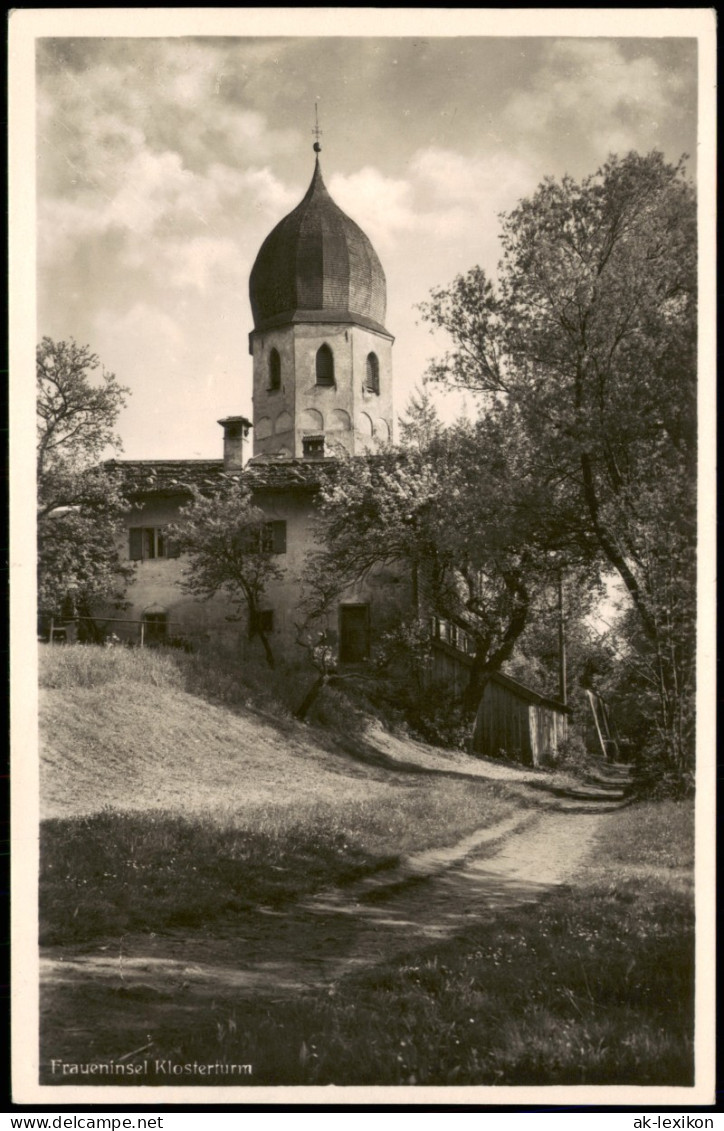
322 355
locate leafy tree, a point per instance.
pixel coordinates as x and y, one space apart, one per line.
80 504
226 539
472 549
589 656
76 419
584 352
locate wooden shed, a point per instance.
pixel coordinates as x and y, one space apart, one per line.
516 722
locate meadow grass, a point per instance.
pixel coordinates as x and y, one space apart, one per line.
594 985
219 674
183 813
112 872
72 666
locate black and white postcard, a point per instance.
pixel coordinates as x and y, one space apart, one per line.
362 632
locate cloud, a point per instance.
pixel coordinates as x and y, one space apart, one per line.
205 262
383 206
177 96
177 378
163 164
438 220
590 97
447 196
140 136
104 181
454 178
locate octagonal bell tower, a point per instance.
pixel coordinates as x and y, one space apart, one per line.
322 355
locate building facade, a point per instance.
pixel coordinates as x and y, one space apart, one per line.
322 388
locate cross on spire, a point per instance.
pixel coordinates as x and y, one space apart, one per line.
316 130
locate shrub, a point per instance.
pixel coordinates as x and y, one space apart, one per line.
572 752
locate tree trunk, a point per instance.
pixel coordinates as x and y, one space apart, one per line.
485 664
476 684
308 701
608 544
267 649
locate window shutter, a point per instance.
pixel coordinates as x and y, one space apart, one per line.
373 373
279 537
275 370
135 543
325 365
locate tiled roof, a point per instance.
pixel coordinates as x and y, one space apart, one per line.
289 474
168 476
178 477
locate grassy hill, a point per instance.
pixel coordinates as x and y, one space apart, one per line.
182 821
132 730
218 806
132 744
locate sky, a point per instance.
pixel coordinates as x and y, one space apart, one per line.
163 163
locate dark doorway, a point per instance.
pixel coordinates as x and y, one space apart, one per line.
354 633
154 628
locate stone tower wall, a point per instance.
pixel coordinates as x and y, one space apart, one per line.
349 415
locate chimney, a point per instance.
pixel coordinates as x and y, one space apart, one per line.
236 433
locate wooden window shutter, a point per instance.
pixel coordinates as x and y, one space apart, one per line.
279 537
275 370
135 543
325 365
373 373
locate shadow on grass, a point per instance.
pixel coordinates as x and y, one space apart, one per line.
527 792
114 872
590 986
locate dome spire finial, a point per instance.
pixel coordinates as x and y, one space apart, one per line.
316 131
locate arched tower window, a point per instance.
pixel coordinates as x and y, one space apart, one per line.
373 373
275 371
325 365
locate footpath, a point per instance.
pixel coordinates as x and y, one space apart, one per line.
317 940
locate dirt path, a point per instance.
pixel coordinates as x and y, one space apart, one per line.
319 940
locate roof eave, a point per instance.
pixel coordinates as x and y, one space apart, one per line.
314 317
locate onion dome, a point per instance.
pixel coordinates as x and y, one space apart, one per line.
317 265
